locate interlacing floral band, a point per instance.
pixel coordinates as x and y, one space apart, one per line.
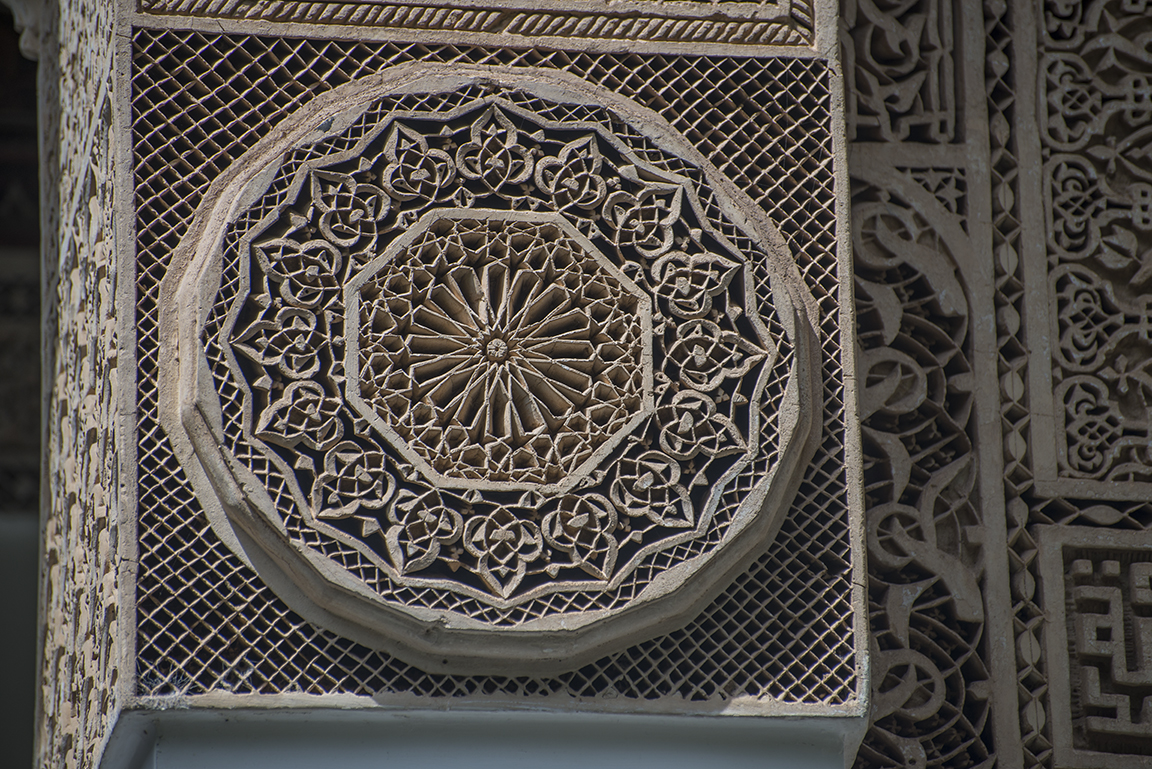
502 345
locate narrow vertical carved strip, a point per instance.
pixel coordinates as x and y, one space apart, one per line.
78 696
930 683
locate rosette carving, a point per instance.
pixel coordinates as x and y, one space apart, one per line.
508 360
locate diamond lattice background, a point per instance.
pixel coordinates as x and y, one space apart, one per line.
781 631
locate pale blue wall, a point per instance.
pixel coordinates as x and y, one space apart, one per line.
480 741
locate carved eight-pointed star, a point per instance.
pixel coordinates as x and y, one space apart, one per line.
499 349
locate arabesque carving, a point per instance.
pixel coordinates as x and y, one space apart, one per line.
793 609
1095 116
900 82
503 355
920 468
85 613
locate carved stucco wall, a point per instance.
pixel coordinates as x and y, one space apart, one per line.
80 566
1025 631
1079 509
801 583
921 245
1000 177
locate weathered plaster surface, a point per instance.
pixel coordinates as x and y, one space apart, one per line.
81 619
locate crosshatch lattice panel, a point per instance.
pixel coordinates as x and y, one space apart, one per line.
206 623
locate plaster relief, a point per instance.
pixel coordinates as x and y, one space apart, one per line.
1099 643
1094 120
493 345
698 22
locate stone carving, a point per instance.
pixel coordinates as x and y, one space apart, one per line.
1094 115
900 85
947 185
501 354
1024 708
84 613
916 410
728 22
1100 650
1089 300
927 526
499 348
191 586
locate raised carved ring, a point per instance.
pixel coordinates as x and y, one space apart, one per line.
488 368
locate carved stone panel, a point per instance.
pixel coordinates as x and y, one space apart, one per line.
900 82
499 350
1098 589
1093 114
477 349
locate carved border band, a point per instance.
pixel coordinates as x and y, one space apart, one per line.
782 23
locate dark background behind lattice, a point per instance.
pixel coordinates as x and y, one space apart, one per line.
19 395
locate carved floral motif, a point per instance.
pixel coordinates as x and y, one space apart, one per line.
499 354
1095 114
806 593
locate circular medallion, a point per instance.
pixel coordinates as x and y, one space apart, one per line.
488 367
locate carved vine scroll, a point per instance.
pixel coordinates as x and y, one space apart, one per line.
930 684
1095 117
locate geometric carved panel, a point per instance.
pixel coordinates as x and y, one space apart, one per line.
496 342
499 350
1098 590
780 638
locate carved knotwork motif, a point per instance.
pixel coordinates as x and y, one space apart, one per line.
503 352
499 349
1095 115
